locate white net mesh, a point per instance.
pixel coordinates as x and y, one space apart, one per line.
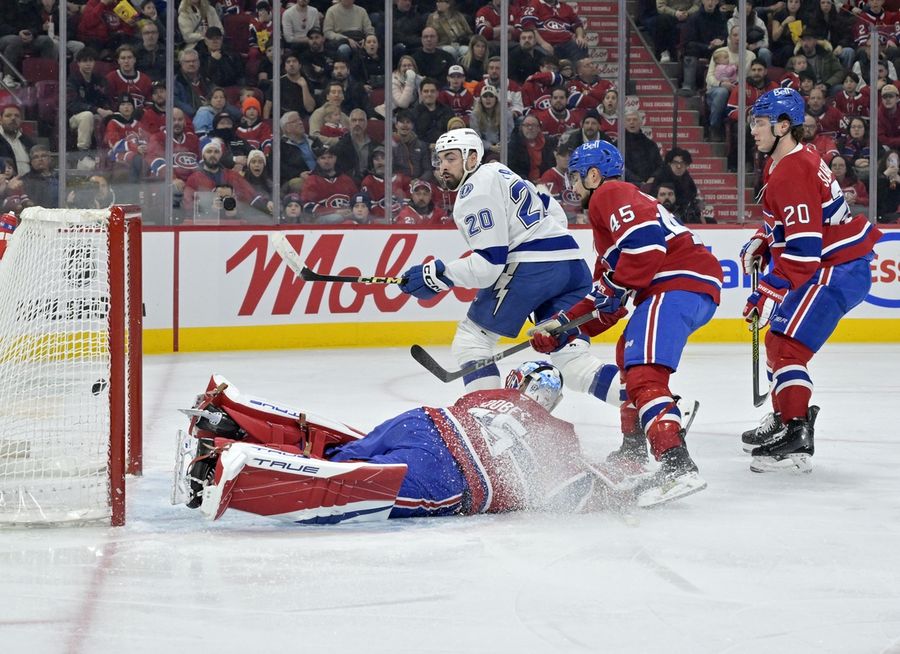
54 369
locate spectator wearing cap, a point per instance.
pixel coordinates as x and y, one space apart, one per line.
153 114
360 206
86 98
513 90
326 194
234 148
297 151
334 98
291 209
485 120
558 118
255 131
191 87
220 67
642 157
296 22
452 28
889 118
259 37
354 147
124 138
524 58
822 63
296 92
355 94
412 156
211 175
530 150
316 63
432 61
559 29
430 117
675 172
345 26
421 209
373 184
455 95
590 131
128 79
559 186
151 52
194 18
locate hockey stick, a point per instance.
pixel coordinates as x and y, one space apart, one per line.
292 259
758 398
427 361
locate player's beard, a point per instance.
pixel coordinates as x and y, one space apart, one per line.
452 184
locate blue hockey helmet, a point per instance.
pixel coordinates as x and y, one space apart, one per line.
602 155
539 380
780 102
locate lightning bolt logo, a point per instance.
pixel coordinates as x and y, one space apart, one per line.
502 284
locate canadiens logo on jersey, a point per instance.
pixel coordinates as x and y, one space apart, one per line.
336 202
569 196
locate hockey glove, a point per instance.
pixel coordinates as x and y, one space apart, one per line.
763 302
607 295
545 342
755 253
426 280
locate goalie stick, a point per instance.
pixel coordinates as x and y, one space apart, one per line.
292 259
427 361
758 397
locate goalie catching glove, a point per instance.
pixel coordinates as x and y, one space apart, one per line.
426 280
545 342
767 297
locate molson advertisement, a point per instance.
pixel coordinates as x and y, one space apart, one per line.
227 288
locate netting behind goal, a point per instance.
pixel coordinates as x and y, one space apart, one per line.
63 376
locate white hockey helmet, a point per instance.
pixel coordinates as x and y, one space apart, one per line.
464 139
539 380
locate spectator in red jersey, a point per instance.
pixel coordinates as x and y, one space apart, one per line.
873 13
537 87
153 113
455 95
829 118
127 78
257 133
259 34
373 184
889 118
558 119
530 150
326 194
847 178
487 21
101 28
558 184
587 89
791 79
185 154
559 29
812 135
124 138
854 146
421 209
212 176
849 101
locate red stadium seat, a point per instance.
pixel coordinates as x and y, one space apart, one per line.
37 69
375 130
237 32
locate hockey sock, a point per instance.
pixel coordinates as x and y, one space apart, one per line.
793 386
660 418
483 378
628 417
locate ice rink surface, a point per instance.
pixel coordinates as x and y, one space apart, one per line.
753 564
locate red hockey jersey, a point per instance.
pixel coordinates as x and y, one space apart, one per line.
536 90
258 136
460 101
374 186
646 247
487 21
409 216
123 139
555 23
554 125
185 153
850 106
584 95
324 195
807 222
560 188
138 86
513 454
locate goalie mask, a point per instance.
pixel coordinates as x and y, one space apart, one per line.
538 380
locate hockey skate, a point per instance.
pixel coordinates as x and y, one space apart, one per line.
791 449
769 429
677 477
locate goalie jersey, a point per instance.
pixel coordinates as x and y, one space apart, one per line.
504 220
513 454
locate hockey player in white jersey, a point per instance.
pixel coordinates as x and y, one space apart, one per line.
523 260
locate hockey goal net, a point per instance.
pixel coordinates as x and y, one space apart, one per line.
70 365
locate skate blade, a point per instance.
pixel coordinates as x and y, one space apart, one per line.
788 463
675 489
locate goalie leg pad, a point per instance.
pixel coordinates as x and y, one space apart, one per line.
292 487
473 343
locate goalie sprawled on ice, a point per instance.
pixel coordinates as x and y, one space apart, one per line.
492 451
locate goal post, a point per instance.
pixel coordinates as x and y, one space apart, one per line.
70 365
